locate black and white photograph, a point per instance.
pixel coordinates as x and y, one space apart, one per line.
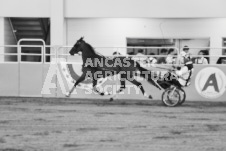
112 75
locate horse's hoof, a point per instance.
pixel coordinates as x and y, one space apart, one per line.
67 94
111 99
150 97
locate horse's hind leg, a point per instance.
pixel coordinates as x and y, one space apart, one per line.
138 84
80 79
122 86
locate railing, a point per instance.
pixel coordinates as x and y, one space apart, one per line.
14 53
11 25
211 58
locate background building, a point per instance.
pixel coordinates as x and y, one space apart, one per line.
107 23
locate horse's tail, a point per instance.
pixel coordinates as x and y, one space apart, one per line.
148 75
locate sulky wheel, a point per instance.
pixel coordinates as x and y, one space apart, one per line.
182 96
171 97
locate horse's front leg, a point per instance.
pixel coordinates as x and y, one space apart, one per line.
95 87
96 90
138 84
80 79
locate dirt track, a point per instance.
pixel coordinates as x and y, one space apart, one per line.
61 126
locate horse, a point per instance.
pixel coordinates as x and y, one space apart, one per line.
122 65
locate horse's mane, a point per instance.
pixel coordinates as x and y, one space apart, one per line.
92 49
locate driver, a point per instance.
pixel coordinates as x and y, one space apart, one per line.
180 76
184 72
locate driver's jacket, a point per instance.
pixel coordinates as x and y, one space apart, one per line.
185 73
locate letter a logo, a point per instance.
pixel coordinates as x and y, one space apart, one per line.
211 81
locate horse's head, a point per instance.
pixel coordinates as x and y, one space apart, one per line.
77 46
